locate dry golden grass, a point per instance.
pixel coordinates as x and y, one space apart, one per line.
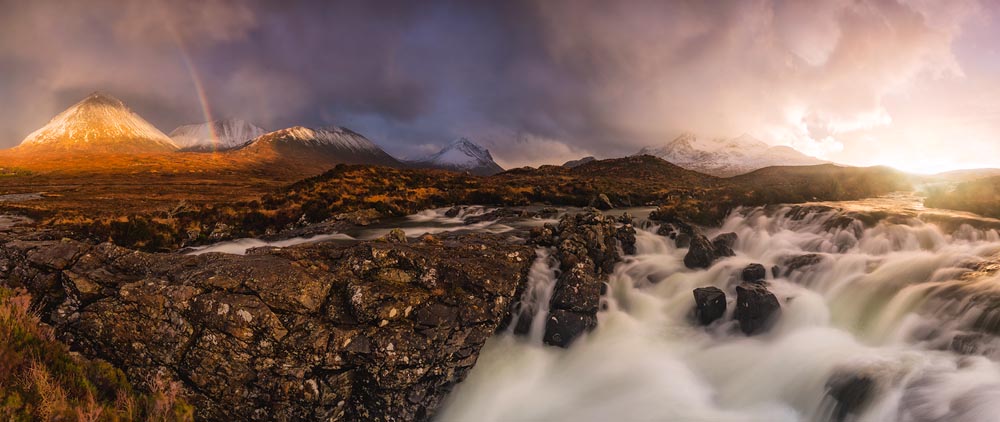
40 380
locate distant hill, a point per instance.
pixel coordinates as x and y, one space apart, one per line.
965 175
727 157
461 155
218 135
980 196
99 123
577 163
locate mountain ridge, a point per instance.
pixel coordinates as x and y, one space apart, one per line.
217 135
727 157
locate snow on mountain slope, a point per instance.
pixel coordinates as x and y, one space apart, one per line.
325 146
329 136
462 155
727 157
99 123
219 135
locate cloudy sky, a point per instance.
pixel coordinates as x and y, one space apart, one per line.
909 83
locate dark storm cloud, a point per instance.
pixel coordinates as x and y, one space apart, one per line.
536 81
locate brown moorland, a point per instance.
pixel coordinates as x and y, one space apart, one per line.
168 201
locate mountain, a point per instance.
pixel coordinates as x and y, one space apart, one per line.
580 162
462 155
727 157
218 135
965 175
316 148
100 123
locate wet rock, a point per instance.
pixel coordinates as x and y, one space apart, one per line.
453 212
587 245
395 236
601 202
851 394
373 331
967 343
756 308
674 227
683 240
754 273
710 304
724 244
775 271
563 327
702 252
793 264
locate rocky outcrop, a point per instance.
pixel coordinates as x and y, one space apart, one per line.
376 331
587 245
710 304
702 252
756 308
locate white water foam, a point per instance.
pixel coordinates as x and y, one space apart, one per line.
884 302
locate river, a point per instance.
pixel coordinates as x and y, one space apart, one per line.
895 310
885 304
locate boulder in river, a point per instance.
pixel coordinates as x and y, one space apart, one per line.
851 394
756 308
754 273
710 304
724 244
703 252
372 331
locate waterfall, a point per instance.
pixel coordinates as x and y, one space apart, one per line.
534 304
899 311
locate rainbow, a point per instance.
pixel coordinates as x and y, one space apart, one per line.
199 88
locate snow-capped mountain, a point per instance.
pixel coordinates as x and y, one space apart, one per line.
727 157
99 123
462 155
322 146
218 135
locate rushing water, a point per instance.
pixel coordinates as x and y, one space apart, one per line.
885 303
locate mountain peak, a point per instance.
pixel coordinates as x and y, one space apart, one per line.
462 154
99 123
98 98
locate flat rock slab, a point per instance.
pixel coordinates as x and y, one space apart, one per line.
373 331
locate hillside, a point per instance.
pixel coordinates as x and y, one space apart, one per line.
981 196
